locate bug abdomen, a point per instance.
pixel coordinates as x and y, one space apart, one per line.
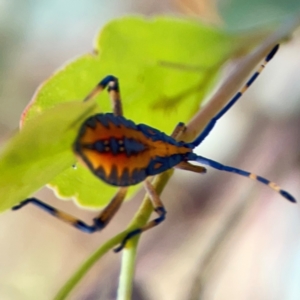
122 153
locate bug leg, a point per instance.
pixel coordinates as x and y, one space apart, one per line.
110 210
99 222
112 83
60 215
158 208
218 166
214 120
114 93
101 86
178 130
184 165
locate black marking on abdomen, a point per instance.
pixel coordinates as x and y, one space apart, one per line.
117 121
175 159
91 122
113 176
125 179
103 120
98 146
107 119
133 147
157 165
156 135
114 146
138 175
100 172
161 164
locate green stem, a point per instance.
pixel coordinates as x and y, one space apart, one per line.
84 268
127 270
129 253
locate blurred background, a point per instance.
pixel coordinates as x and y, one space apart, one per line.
225 237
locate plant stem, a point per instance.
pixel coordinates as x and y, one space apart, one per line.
127 270
129 253
84 268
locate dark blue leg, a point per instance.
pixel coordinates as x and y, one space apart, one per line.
218 166
162 215
214 120
158 208
102 85
127 237
98 225
114 92
99 222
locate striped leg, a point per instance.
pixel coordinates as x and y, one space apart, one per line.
113 89
179 129
184 165
114 93
158 208
218 166
214 120
99 222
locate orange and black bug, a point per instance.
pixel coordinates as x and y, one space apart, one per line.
123 153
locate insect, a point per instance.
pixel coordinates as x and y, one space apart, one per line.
123 153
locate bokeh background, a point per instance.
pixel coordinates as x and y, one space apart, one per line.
225 237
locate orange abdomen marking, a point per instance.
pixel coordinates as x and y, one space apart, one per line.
122 153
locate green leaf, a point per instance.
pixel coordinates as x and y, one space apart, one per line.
40 151
165 67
